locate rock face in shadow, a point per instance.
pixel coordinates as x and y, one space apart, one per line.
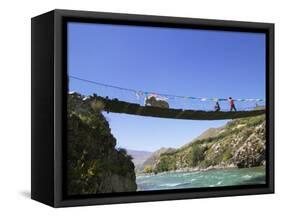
94 165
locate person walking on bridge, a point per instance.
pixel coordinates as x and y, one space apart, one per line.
217 107
232 105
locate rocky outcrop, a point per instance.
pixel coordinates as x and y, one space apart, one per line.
94 165
252 152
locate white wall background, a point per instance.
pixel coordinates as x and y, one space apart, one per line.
15 106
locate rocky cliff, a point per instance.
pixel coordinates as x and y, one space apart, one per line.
240 143
94 165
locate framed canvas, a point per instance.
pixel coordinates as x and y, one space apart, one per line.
135 108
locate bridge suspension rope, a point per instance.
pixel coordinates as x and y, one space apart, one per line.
200 103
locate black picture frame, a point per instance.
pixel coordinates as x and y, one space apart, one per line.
49 89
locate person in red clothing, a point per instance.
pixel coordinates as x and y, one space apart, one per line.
232 105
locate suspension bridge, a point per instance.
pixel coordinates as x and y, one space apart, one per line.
136 102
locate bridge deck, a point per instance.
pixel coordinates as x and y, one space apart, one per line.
117 106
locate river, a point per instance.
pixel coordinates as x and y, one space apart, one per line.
211 178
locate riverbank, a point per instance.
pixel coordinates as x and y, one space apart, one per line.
193 169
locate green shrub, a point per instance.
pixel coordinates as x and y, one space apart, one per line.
148 169
227 155
197 154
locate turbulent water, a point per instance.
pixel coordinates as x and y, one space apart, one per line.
212 178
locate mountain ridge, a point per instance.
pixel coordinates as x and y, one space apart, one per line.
240 143
138 156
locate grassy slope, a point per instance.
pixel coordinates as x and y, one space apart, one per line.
240 143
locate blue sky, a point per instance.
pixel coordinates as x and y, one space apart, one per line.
197 63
